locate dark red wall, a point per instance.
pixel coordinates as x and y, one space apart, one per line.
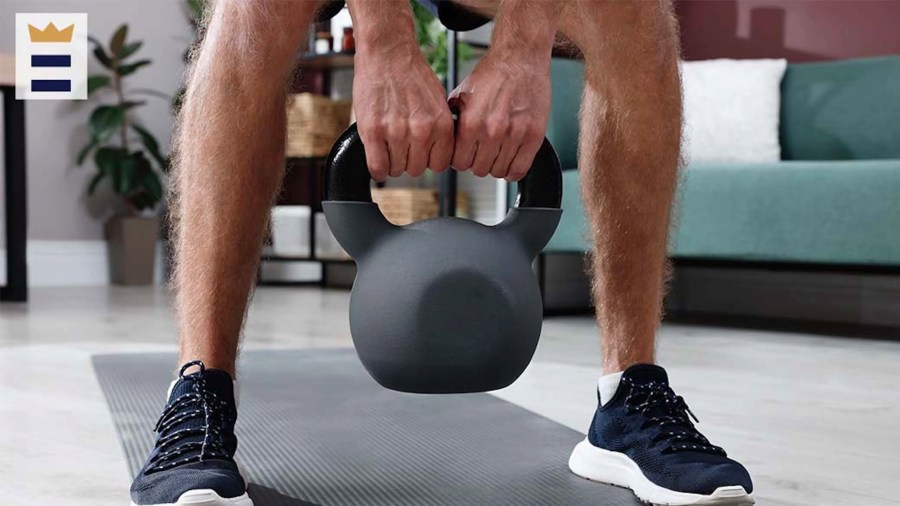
799 30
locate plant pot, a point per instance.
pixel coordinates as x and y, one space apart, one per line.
131 242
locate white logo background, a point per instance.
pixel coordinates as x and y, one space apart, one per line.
77 49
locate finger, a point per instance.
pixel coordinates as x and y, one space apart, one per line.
524 158
504 159
376 152
398 151
420 140
464 148
442 147
417 158
484 157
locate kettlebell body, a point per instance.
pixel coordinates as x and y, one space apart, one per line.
445 305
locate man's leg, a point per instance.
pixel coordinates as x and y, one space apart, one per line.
230 153
642 435
628 159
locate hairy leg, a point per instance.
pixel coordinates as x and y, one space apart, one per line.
628 158
230 151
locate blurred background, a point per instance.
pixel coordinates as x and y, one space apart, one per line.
786 246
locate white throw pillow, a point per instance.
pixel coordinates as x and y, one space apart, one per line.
731 110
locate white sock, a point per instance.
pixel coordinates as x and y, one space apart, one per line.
607 386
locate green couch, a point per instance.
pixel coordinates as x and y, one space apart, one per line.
834 199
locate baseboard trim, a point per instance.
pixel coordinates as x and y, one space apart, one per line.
69 263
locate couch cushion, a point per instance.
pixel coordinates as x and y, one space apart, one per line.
822 212
844 110
840 212
562 128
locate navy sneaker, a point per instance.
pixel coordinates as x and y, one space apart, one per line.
192 462
643 439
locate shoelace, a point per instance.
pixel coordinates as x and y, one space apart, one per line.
662 408
201 403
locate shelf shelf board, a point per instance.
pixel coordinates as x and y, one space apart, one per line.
336 60
327 61
266 257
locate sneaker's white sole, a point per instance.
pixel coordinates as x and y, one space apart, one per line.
614 468
206 497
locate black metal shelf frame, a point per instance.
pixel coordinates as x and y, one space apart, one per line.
16 289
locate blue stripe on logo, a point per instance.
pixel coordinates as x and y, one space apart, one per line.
51 60
51 85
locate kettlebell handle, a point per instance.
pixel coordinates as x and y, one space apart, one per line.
347 175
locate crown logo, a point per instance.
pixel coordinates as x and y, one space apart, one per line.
51 33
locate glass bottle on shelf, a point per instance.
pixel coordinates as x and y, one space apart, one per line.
348 43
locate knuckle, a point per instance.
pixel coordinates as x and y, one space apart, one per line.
395 128
519 128
497 128
420 129
471 125
372 131
444 124
534 130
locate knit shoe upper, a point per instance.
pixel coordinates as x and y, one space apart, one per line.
654 427
195 442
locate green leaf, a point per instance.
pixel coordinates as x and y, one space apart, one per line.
125 70
96 82
102 57
152 146
109 162
106 159
104 122
145 189
120 168
85 151
152 186
129 170
92 186
117 42
130 49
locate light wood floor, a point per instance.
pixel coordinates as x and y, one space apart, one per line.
814 418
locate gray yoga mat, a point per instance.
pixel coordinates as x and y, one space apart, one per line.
315 429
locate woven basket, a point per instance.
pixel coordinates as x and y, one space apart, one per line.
402 206
314 122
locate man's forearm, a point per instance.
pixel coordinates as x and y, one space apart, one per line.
527 27
382 25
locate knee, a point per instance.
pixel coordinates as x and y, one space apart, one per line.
259 32
613 34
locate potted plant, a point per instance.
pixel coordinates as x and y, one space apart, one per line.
127 157
432 38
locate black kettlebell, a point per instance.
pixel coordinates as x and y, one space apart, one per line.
444 305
